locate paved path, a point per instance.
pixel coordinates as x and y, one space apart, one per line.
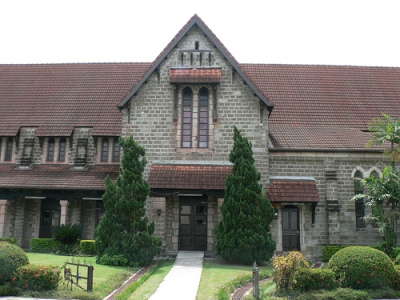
183 280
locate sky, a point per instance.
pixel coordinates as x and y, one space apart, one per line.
325 32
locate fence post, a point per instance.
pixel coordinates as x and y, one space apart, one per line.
90 279
256 281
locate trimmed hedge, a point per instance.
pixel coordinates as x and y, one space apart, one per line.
315 279
364 268
10 240
88 247
11 258
38 277
45 245
329 250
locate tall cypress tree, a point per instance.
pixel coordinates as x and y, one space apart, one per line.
243 236
124 237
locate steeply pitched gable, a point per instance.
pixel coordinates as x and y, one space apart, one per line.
195 20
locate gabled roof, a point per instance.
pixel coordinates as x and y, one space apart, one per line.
195 20
325 107
291 190
188 177
55 98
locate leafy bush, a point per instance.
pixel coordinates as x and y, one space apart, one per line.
363 268
315 279
87 247
396 252
38 278
11 240
45 245
68 234
285 267
11 258
8 289
329 251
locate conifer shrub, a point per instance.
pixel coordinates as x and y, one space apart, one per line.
37 277
359 267
243 236
315 279
11 258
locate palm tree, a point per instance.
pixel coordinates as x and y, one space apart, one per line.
386 129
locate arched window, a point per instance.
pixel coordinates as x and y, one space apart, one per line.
9 149
104 150
50 150
360 207
187 116
63 146
116 151
203 118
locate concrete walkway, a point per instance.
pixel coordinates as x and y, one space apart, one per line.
183 280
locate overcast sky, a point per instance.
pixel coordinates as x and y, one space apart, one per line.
339 32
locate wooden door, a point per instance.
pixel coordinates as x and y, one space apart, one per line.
290 229
193 224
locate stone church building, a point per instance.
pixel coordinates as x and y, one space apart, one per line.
308 124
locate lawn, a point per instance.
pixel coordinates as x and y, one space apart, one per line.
106 278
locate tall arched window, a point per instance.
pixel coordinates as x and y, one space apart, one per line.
9 149
116 151
63 146
104 150
360 207
203 118
50 149
187 116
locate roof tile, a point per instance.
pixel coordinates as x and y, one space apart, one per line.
292 191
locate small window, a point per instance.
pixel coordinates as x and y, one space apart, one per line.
203 118
63 146
9 149
116 151
187 116
360 207
50 150
104 150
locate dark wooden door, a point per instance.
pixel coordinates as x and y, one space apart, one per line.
193 224
49 218
290 229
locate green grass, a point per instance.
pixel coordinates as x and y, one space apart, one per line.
147 285
106 278
217 273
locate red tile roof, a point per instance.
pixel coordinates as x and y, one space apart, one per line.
56 177
201 75
191 177
292 191
57 97
312 101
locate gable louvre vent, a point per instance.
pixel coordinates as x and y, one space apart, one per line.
81 152
330 175
26 159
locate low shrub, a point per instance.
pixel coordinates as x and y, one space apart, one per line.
363 268
38 277
10 240
329 250
87 247
115 260
11 258
285 267
338 294
44 245
315 279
